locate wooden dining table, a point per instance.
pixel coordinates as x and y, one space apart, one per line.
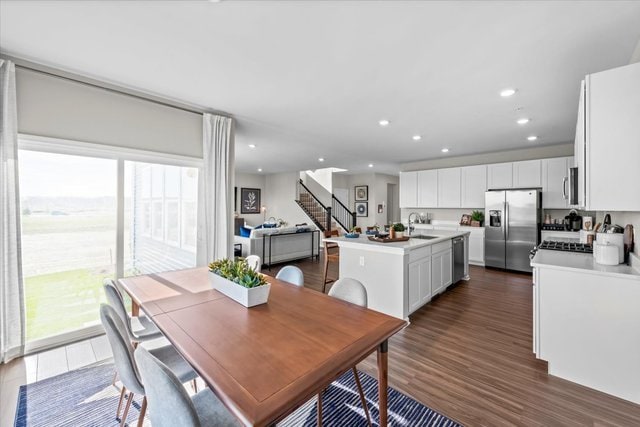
263 362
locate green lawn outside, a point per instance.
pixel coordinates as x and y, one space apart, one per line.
64 301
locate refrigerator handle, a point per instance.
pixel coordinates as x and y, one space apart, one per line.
506 220
564 187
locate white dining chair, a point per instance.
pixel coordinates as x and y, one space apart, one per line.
291 274
353 291
254 262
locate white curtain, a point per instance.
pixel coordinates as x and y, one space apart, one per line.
12 316
215 200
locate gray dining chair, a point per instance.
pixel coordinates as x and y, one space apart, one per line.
291 274
169 403
254 262
124 361
354 292
139 328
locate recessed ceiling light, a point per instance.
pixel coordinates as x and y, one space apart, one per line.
417 137
532 138
507 92
252 145
321 159
370 165
259 169
523 121
445 150
384 122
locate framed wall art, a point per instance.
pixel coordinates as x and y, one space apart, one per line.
361 193
362 209
250 201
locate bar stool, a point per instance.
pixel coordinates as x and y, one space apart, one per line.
331 254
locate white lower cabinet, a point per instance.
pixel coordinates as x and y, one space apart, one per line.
441 274
419 283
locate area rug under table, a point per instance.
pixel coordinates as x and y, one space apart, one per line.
86 397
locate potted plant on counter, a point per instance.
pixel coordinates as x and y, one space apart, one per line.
477 218
398 227
237 280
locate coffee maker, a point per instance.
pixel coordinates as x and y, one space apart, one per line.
573 221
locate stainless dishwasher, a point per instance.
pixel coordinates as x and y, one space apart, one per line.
458 259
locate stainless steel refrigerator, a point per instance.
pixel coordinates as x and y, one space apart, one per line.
512 227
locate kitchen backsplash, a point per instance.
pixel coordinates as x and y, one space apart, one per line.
620 218
438 214
624 218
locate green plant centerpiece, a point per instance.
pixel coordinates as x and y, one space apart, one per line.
477 218
396 230
237 280
399 227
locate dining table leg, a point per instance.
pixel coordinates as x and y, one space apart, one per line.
383 350
135 309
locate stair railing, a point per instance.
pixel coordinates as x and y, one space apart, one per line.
303 189
342 214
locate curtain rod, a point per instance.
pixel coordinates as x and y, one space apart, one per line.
49 71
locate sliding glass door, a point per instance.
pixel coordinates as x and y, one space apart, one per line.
70 231
68 208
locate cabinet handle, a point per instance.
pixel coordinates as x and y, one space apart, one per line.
564 188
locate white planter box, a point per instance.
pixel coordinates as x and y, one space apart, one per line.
248 297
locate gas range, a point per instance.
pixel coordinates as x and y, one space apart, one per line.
553 245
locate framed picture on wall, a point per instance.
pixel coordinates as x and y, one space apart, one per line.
250 201
380 208
361 193
362 209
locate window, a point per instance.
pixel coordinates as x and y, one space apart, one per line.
171 205
70 201
68 208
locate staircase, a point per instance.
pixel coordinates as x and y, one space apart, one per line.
323 216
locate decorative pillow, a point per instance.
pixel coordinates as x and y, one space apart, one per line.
245 232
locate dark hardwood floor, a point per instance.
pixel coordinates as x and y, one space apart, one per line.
468 355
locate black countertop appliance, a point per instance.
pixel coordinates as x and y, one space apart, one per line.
573 221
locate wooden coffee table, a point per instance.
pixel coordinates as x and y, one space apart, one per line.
266 361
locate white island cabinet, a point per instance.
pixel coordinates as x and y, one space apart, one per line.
401 277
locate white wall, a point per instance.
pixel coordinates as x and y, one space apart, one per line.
542 152
250 180
58 108
377 195
280 198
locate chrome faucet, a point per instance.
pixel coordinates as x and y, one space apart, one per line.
411 228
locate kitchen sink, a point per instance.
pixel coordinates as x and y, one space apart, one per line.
425 237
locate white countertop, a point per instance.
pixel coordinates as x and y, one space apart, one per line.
396 247
582 262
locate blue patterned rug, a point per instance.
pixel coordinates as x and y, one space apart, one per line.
85 397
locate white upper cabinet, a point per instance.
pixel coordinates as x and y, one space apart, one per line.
555 185
527 174
449 188
613 139
473 186
428 188
408 189
500 175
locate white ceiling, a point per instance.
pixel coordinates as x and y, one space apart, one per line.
312 79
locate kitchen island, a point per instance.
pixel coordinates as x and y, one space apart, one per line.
401 277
